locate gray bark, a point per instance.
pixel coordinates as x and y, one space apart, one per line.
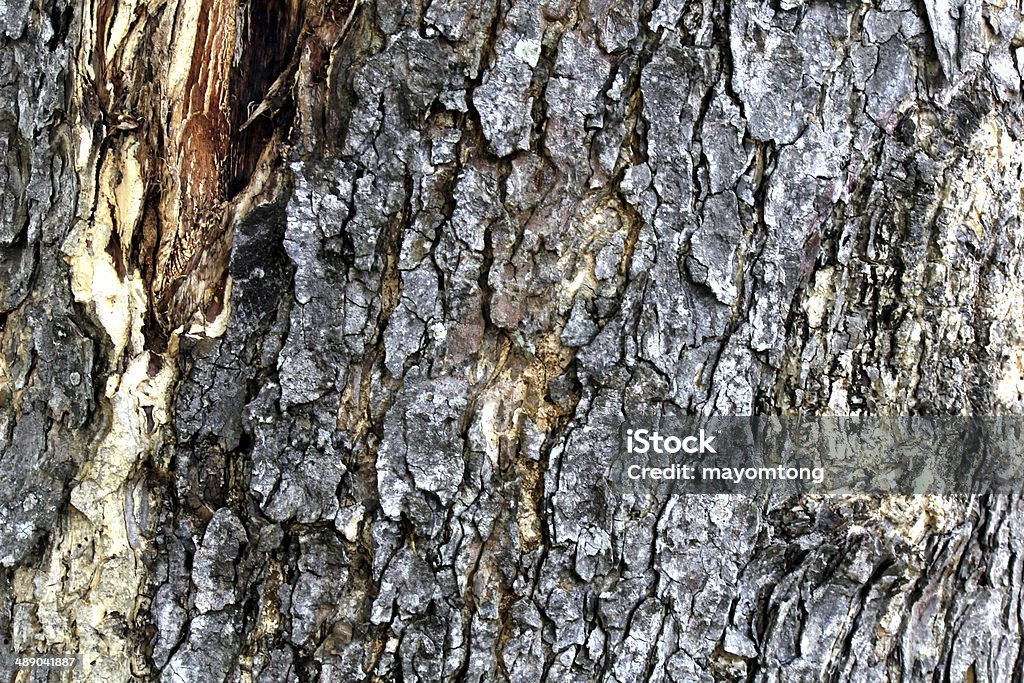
465 242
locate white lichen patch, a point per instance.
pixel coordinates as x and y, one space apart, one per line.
910 519
485 430
1010 387
820 297
592 265
528 51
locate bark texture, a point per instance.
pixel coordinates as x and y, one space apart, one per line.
318 322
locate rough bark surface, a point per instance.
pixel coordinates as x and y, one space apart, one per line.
317 323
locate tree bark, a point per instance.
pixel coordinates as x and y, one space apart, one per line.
318 322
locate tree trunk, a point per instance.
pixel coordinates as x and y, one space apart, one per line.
318 322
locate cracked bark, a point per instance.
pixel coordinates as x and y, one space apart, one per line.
314 329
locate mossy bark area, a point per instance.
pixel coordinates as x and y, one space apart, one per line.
317 321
